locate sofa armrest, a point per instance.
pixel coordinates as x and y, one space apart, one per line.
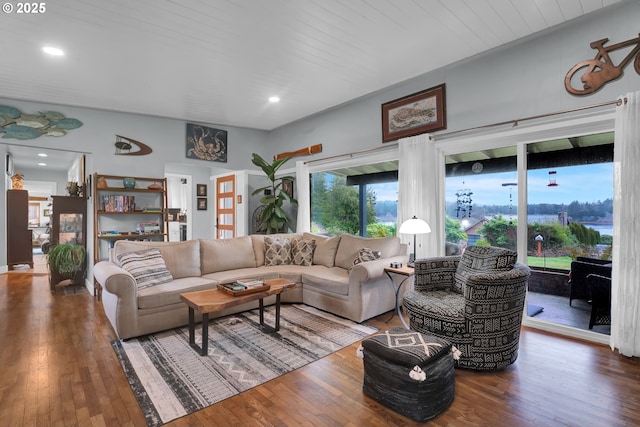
371 270
114 279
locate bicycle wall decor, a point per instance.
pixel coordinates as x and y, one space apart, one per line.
593 74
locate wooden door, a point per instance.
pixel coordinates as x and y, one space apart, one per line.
225 207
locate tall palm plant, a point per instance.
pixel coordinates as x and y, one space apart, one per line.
273 217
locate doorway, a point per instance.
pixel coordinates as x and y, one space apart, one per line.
225 207
179 199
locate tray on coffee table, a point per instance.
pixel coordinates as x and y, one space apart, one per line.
227 288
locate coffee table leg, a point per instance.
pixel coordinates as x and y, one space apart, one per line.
192 327
205 335
261 312
277 320
204 348
278 312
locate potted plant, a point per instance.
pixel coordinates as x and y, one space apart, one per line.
273 217
65 261
73 188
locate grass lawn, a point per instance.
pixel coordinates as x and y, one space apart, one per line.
563 262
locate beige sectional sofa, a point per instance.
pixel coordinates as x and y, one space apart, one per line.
330 281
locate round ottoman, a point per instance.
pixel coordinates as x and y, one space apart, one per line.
409 372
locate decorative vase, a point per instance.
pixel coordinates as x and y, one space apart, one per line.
129 183
102 182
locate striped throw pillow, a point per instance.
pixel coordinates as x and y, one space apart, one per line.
146 266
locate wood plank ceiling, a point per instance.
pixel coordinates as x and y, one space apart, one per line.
219 61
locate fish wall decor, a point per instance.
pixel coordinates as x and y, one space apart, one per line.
15 124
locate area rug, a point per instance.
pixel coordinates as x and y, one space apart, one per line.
170 379
532 310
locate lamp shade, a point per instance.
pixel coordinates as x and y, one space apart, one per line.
414 226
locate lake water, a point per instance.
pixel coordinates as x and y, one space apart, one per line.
602 228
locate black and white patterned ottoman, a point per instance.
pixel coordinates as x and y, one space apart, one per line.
409 372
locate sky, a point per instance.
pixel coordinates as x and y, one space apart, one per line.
588 183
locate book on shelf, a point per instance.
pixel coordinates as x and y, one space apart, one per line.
115 203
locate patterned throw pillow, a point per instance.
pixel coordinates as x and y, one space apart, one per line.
146 266
277 251
367 254
302 251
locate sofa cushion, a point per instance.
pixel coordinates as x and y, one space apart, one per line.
169 293
326 248
350 247
302 251
334 280
483 259
182 258
146 266
277 251
226 254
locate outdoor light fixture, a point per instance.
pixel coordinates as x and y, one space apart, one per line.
414 226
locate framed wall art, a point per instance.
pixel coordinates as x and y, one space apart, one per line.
421 112
202 203
205 143
201 189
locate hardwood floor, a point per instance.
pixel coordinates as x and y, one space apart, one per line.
58 369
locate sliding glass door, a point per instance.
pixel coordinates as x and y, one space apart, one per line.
567 187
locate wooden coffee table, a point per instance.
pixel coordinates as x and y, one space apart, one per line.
215 300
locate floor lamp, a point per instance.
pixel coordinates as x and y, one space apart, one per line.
414 226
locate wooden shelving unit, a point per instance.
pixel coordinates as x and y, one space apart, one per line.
121 213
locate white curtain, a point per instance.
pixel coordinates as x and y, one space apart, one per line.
304 197
625 292
419 181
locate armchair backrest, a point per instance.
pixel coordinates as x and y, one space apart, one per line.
483 259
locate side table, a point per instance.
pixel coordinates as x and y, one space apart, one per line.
407 273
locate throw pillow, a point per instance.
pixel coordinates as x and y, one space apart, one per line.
365 255
146 266
277 251
302 251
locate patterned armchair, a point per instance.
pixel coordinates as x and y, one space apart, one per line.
475 301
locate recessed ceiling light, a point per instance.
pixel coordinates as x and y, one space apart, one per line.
42 164
42 154
54 51
274 99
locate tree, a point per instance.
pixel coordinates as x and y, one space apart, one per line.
453 231
500 232
338 207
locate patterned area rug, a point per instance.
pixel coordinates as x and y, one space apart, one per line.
171 380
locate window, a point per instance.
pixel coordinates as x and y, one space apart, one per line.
481 199
569 213
360 200
570 198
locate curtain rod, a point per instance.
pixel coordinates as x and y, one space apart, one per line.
515 122
618 102
354 153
